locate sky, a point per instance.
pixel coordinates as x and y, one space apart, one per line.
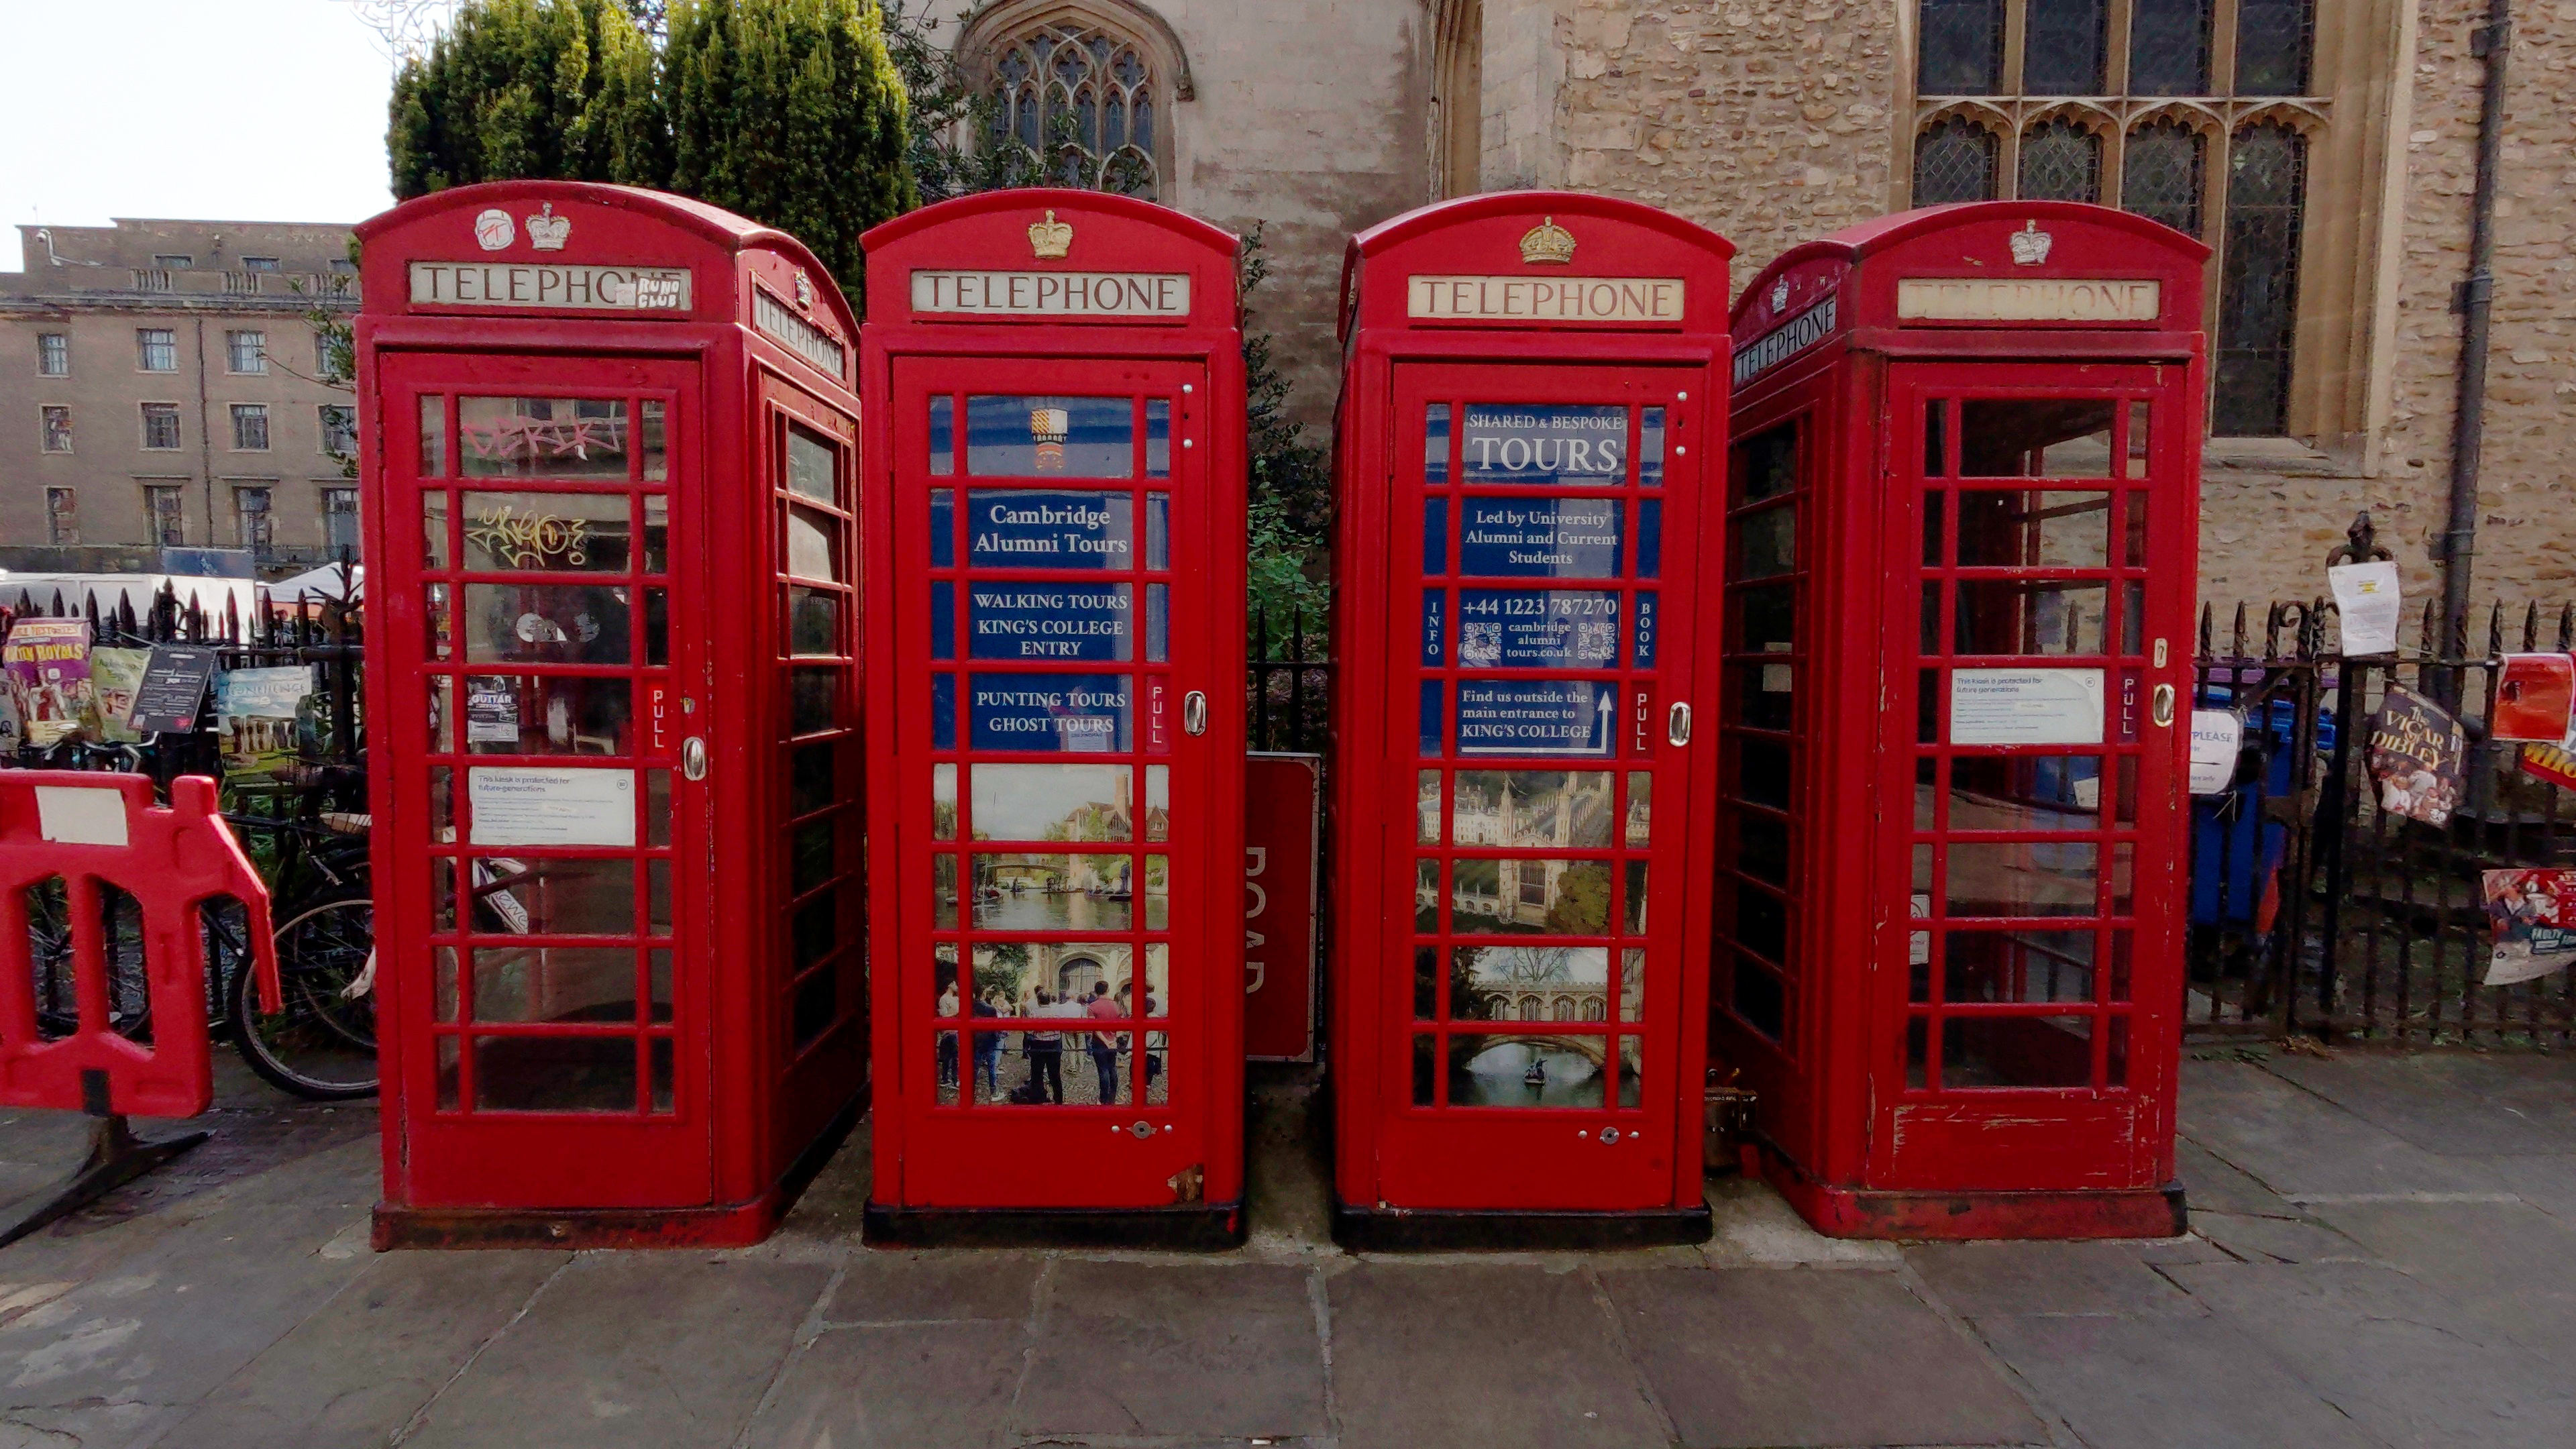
229 110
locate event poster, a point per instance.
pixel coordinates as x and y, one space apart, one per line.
255 712
2534 696
2534 916
116 675
46 666
2416 750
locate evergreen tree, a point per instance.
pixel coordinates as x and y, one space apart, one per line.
791 113
517 88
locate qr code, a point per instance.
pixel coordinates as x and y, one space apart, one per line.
1595 639
1480 644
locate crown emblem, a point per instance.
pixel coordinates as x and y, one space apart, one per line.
2030 245
1050 239
1048 428
1779 296
492 230
804 292
548 232
1547 244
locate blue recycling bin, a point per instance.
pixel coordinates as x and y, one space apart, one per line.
2234 850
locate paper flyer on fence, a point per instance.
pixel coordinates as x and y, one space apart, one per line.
2217 737
116 674
2416 750
2534 916
2367 597
255 712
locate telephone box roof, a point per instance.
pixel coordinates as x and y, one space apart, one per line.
1477 235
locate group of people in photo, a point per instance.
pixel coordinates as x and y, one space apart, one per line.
1026 1067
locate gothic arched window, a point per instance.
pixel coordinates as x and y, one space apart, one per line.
1082 92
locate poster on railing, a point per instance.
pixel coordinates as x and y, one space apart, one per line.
116 674
45 666
255 712
2534 916
2553 763
2534 696
2415 752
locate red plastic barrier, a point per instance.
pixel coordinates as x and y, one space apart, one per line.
94 830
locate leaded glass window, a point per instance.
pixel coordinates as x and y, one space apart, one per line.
2061 51
1954 161
2259 280
2160 177
2061 161
2169 47
1080 102
2272 46
1961 49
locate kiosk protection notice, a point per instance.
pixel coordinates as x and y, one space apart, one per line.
518 805
2026 706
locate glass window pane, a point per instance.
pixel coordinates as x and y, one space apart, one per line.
1020 528
943 528
2168 48
1765 465
2272 46
1158 437
813 467
535 714
554 983
1641 808
2022 878
814 698
2033 528
558 896
1088 622
1526 1071
813 621
1065 437
1569 809
2025 792
1435 444
524 532
1052 802
657 456
1954 160
538 437
2017 617
433 528
1650 447
943 436
2259 282
1763 545
1053 713
1759 997
546 624
1435 536
433 437
554 1074
2060 161
2035 437
2017 966
2160 174
813 544
2016 1051
1530 897
2062 47
1961 48
1525 628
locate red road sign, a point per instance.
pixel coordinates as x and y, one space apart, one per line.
1282 807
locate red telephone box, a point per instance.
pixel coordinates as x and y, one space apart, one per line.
1520 843
1056 493
1962 501
607 446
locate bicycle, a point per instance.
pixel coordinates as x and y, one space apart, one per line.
322 1044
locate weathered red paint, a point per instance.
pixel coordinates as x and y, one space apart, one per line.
2055 1118
1027 300
1541 299
760 1049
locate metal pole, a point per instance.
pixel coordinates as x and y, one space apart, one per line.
2473 300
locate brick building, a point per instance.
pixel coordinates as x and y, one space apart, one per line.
160 388
2324 148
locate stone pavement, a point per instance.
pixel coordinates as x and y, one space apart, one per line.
2384 1253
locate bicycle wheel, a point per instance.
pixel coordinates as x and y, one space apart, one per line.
323 1045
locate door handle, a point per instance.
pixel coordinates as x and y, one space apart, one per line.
1194 712
1677 724
2162 706
693 758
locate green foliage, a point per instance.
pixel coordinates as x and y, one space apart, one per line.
560 88
1291 486
791 113
952 121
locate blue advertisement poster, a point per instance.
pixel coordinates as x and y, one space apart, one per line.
1537 628
1075 437
1051 621
1539 538
1027 528
1537 717
1054 713
1546 444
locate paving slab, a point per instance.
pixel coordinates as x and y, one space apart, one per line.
919 1386
1753 1224
1136 1348
2210 1183
2091 1279
2166 1382
1497 1356
886 1287
1765 1356
357 1370
2275 1240
2295 1142
2391 1353
2538 1086
2505 1264
2435 1109
2547 1183
206 1287
631 1351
